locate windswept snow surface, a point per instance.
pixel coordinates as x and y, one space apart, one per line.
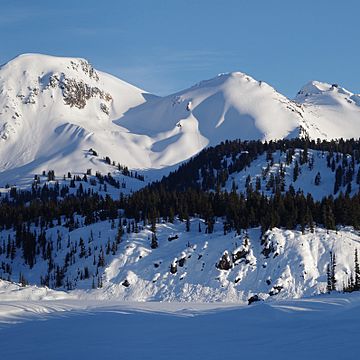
324 327
53 110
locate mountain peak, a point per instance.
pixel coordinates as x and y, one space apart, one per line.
52 59
225 77
317 88
32 65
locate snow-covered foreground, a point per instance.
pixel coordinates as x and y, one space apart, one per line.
316 328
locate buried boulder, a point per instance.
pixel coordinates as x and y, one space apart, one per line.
125 283
254 298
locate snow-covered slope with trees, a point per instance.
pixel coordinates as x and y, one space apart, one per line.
187 264
54 110
210 231
236 221
231 268
319 174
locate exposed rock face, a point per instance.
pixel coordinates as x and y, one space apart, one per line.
76 93
76 89
225 262
86 67
268 247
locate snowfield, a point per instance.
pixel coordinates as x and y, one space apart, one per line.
323 327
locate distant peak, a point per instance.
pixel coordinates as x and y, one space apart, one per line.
221 78
236 74
317 88
38 56
34 62
232 74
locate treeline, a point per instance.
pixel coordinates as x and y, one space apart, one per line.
48 212
242 211
124 169
56 191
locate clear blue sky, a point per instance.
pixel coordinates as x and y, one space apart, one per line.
165 46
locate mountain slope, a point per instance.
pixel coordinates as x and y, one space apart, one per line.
228 247
228 107
53 110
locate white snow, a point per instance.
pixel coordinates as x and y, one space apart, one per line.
331 110
48 134
316 328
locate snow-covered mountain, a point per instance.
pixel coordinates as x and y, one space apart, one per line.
53 110
228 107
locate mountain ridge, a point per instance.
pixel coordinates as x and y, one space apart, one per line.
54 109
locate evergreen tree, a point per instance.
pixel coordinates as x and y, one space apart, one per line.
82 248
154 242
357 272
101 259
328 277
317 179
338 179
188 224
296 171
333 271
119 234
